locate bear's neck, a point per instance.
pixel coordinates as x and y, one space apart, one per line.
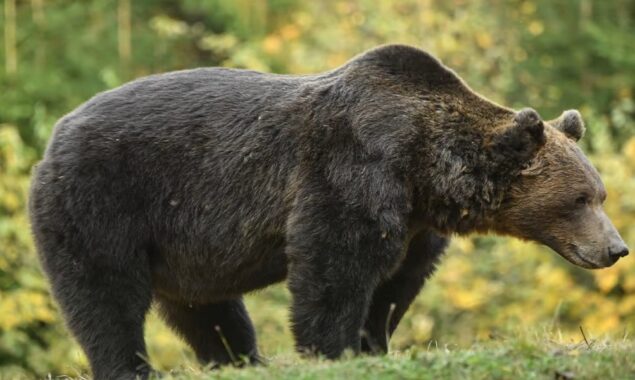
456 188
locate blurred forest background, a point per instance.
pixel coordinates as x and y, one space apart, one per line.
548 54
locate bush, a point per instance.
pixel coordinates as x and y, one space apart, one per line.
550 55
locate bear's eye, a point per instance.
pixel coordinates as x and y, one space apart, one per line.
582 200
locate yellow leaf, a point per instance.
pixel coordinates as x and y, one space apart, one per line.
627 306
607 279
272 44
536 27
528 8
629 149
466 299
289 32
484 40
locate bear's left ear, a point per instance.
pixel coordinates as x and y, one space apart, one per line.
570 123
518 143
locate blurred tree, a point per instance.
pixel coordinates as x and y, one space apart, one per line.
551 55
577 54
11 59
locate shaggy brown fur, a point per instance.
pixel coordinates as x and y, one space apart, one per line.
194 187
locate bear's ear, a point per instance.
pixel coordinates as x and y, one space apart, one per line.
515 146
570 123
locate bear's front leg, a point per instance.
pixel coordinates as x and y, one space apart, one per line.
338 254
393 296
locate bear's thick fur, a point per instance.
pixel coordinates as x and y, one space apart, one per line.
192 188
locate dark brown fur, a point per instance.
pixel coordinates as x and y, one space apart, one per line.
194 187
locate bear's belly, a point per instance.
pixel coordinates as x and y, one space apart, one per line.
212 276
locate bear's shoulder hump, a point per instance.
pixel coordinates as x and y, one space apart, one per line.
409 62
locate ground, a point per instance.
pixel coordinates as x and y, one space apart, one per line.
523 352
524 355
512 358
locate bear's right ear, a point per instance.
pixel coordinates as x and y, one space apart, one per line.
514 147
570 123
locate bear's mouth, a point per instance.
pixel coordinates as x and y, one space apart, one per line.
578 259
590 264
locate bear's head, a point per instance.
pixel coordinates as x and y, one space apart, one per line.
476 166
557 198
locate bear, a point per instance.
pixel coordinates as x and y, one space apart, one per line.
191 188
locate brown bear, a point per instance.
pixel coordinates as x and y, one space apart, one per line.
194 187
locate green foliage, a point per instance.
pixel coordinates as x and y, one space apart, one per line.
551 55
31 338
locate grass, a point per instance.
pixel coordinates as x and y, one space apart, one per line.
544 351
512 358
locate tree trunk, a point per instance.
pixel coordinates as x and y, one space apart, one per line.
123 33
10 48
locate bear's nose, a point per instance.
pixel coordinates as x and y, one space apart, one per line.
618 252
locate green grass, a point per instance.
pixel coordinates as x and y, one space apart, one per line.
517 358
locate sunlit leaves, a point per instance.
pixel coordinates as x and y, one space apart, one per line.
550 55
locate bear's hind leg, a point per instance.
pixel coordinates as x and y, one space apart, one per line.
219 333
400 290
104 307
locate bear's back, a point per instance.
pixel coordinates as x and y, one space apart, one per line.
159 103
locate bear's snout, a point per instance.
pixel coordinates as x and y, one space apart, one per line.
612 245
